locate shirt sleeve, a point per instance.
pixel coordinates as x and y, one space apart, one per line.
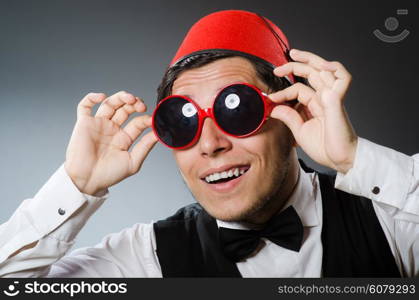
43 228
128 253
391 180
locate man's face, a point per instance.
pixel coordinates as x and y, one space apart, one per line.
263 157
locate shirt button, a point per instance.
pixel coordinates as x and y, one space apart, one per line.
376 190
61 211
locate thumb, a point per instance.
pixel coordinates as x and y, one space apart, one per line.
289 116
142 149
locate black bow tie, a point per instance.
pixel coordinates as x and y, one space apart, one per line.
284 229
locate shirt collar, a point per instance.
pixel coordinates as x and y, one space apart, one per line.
303 199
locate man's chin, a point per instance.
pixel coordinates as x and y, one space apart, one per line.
232 212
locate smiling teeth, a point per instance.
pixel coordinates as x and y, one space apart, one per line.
226 174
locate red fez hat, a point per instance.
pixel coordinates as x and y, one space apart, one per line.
237 31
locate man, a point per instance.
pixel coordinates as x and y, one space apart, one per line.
233 127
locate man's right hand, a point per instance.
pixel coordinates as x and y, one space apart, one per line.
97 155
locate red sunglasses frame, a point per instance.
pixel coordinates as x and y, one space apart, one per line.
268 106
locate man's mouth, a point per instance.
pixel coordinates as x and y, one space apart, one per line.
226 175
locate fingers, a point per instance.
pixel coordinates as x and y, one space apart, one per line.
337 68
344 78
304 94
136 126
290 117
299 91
327 78
309 58
122 113
108 107
84 108
117 107
319 72
141 150
302 70
316 62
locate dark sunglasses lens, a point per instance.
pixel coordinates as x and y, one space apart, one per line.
176 122
239 109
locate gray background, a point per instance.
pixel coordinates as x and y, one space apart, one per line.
52 53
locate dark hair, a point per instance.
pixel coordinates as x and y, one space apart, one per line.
263 70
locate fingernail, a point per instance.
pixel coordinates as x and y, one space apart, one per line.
140 106
127 96
277 69
294 51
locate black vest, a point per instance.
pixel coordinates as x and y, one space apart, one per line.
354 244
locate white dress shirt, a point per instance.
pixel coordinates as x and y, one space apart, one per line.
46 226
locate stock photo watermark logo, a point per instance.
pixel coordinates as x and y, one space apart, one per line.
392 24
12 290
70 289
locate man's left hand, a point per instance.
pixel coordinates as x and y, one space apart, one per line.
319 121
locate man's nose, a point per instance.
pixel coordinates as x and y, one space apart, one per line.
213 141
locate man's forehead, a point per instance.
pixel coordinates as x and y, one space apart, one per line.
215 75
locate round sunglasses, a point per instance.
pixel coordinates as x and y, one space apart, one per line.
239 110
